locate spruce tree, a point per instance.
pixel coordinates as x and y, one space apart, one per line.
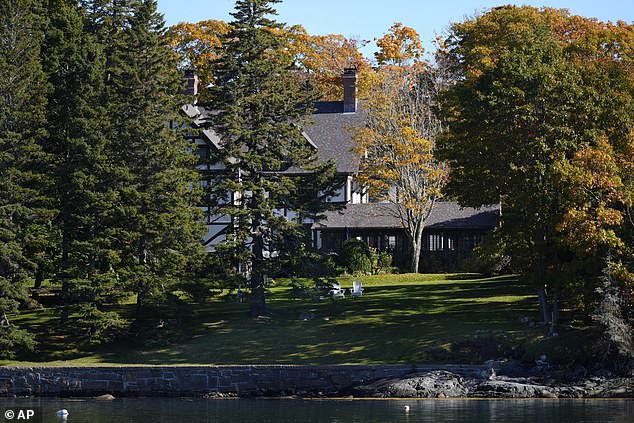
258 115
22 104
158 219
78 175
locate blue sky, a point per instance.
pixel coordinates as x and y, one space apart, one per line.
369 19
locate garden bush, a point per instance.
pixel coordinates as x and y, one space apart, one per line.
383 262
489 258
356 257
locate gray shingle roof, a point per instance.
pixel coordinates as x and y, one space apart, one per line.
445 215
329 131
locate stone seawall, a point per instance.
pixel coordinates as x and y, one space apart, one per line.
388 381
201 380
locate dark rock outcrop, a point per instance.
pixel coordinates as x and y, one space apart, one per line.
435 384
511 389
445 384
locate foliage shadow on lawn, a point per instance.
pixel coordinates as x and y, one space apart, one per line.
390 323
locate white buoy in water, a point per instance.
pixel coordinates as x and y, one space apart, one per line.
406 408
62 413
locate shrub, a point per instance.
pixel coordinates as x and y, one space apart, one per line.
574 346
95 327
14 340
482 346
384 261
356 257
489 258
359 264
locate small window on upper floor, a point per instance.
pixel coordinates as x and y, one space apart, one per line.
203 153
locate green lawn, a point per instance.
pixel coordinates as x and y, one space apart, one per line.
399 319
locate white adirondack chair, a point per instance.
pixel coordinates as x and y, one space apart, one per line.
357 289
336 290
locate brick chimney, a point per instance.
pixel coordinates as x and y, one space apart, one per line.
191 78
350 90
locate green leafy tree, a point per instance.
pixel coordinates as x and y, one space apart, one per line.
511 111
259 116
536 87
23 90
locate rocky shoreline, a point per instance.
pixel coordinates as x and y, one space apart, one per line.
445 384
491 380
503 379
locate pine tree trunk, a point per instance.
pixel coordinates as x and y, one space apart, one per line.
555 316
258 301
258 304
539 270
140 300
65 283
543 304
141 291
37 284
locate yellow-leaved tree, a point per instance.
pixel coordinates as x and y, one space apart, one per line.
319 59
322 58
199 45
398 140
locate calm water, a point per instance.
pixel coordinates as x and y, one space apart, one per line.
329 411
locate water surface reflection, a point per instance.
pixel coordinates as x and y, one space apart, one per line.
173 410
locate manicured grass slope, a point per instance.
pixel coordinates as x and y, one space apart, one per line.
399 319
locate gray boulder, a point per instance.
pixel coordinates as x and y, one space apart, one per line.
435 384
510 389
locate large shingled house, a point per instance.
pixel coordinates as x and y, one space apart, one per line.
451 231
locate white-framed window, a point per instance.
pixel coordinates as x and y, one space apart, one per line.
434 242
391 242
450 243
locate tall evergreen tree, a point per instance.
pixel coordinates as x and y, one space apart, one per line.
22 104
78 176
259 115
159 222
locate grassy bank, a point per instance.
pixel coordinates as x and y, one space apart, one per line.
399 319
